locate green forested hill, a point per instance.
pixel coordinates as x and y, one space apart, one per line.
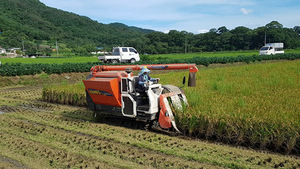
132 28
34 22
35 26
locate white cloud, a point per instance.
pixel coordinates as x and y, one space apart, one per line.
166 31
221 2
196 16
202 31
246 11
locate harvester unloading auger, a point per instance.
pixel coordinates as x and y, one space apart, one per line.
113 90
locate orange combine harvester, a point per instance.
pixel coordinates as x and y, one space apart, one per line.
113 90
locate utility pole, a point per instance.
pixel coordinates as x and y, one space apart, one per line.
56 49
265 37
185 45
23 46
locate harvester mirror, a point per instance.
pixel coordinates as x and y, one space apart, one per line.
128 70
183 82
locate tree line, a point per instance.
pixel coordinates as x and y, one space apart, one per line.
221 39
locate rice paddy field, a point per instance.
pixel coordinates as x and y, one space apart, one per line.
253 105
38 134
256 105
214 54
81 59
51 60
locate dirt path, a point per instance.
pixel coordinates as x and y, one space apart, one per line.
36 134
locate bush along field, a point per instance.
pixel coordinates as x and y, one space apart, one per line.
255 105
18 69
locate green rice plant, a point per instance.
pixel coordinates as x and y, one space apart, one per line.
65 93
255 105
50 60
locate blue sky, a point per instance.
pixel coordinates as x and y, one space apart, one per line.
194 16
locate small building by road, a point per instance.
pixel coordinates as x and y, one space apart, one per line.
11 53
2 51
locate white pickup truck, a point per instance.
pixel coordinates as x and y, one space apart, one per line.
121 54
271 49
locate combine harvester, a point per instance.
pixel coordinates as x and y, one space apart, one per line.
113 90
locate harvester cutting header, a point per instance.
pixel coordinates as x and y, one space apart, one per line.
113 90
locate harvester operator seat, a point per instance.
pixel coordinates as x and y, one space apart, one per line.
140 94
136 85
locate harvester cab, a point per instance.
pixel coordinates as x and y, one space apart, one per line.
113 90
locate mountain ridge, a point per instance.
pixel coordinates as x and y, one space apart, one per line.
32 21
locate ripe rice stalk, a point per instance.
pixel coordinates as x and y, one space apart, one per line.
248 108
253 104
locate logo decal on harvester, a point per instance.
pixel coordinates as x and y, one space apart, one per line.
99 92
158 67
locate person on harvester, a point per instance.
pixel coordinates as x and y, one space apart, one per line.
144 78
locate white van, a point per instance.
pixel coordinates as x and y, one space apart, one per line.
121 54
271 49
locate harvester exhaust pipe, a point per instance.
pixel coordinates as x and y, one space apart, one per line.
192 79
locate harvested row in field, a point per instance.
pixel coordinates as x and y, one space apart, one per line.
253 105
39 79
65 136
44 135
92 147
